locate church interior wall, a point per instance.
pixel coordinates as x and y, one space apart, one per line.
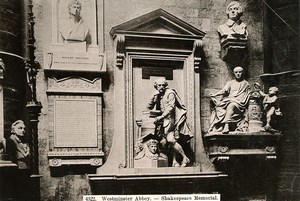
70 183
204 15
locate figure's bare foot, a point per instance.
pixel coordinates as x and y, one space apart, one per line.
176 164
185 161
270 129
225 129
214 129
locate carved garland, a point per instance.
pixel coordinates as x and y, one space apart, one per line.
197 54
2 69
120 50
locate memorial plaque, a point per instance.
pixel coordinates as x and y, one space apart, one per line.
71 61
75 123
153 71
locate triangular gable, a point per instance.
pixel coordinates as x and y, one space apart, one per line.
157 22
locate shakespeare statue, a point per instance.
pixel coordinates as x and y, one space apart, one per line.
18 146
234 27
76 30
171 123
231 104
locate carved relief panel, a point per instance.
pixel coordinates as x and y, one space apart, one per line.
75 121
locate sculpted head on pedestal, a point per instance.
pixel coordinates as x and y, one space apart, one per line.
152 146
234 10
18 128
74 7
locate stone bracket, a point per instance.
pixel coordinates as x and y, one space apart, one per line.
223 147
234 51
58 159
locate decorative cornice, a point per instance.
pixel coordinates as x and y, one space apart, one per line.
163 17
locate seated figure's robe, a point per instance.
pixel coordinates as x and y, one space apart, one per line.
238 93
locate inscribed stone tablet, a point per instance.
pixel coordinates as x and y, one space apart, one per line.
75 123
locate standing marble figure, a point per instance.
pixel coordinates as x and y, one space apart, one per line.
76 30
233 103
173 117
234 27
18 147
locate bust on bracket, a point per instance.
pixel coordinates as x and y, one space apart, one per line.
76 44
233 35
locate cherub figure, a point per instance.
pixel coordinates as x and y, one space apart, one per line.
270 105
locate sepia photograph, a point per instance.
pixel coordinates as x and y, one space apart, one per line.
149 100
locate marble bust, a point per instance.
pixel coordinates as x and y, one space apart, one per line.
234 27
76 30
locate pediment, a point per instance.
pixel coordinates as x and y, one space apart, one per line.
158 22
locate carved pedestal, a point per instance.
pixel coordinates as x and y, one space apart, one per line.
255 113
151 163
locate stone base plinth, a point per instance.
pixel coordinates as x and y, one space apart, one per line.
150 163
157 181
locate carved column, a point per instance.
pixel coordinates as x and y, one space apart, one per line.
2 140
33 106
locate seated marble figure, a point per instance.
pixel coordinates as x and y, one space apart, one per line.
231 103
234 27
